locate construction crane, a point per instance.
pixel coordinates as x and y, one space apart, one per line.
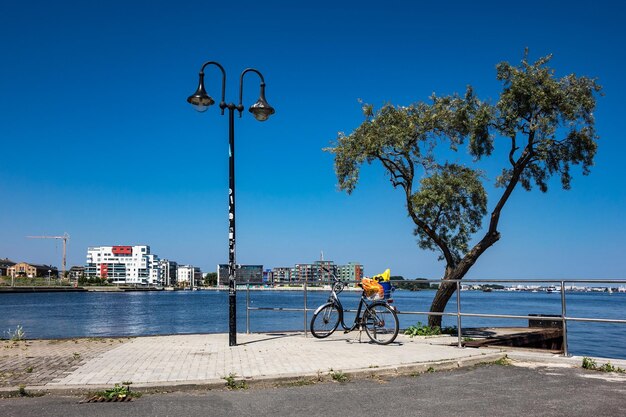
65 237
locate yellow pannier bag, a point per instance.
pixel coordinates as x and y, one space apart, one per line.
372 288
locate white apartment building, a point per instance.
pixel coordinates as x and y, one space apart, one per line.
133 265
188 276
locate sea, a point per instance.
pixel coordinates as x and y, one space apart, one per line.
113 314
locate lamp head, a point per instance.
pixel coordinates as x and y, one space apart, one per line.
200 99
261 110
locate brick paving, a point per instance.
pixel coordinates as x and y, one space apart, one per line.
39 362
207 359
192 360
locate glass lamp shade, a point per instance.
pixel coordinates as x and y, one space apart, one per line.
261 110
200 99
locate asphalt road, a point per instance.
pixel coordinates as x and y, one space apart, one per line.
491 390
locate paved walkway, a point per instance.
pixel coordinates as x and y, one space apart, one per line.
204 360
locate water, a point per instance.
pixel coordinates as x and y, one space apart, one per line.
67 315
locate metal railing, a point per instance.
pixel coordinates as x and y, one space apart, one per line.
459 314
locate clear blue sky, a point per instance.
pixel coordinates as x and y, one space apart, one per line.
98 140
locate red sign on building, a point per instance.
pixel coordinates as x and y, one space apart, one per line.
122 250
104 271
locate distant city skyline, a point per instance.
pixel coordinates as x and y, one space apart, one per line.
99 142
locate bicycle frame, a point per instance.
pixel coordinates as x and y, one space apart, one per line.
358 319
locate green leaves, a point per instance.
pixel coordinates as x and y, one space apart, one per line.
549 120
453 202
545 123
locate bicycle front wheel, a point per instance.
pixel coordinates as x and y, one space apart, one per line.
325 320
381 323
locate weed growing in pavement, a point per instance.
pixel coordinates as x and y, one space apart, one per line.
430 370
29 370
232 383
339 376
118 392
589 363
75 356
505 361
16 335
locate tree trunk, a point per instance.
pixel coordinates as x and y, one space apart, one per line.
443 295
457 272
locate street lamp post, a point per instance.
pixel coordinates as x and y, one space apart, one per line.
261 111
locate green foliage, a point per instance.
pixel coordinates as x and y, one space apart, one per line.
118 392
16 335
411 285
505 361
589 363
554 115
339 376
450 330
233 384
422 330
545 125
453 202
210 279
82 280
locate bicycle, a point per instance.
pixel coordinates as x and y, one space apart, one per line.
379 319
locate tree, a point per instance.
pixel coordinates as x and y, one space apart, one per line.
210 279
546 124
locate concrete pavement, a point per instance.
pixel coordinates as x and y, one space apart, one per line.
179 361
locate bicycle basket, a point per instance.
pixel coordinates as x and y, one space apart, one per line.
373 289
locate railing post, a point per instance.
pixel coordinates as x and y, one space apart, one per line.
305 316
248 308
458 313
563 313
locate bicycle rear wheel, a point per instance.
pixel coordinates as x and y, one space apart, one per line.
381 323
325 320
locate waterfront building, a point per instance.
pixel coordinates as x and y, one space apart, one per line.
76 272
169 271
353 271
303 272
5 264
281 274
268 277
122 264
23 269
324 270
188 276
243 273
